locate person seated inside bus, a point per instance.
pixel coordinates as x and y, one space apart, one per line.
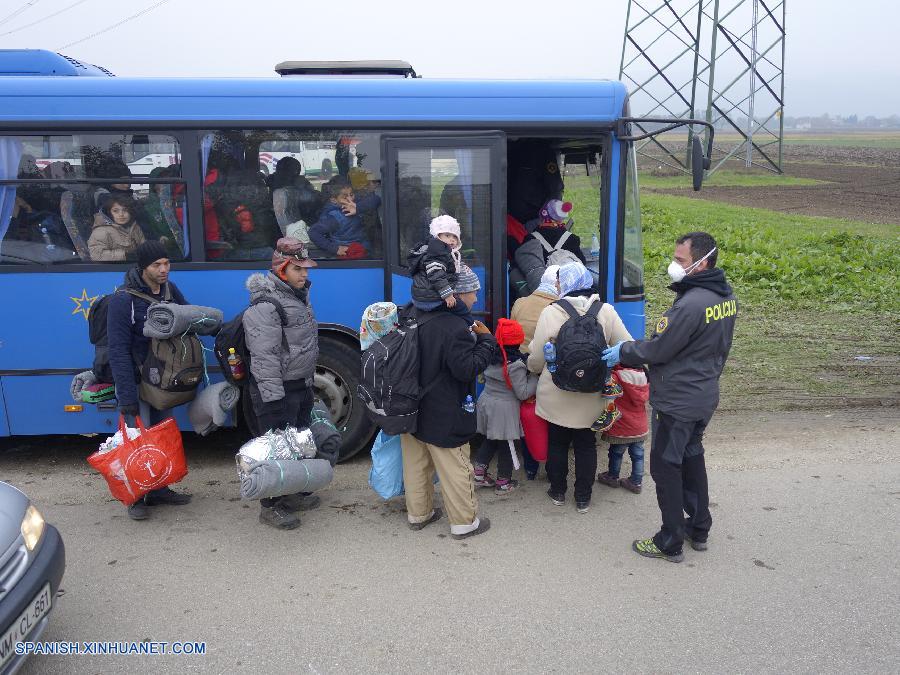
244 216
294 199
116 237
152 215
111 168
340 231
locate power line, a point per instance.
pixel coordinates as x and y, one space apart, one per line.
43 18
115 25
21 9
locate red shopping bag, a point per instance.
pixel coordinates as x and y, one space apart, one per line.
149 462
536 430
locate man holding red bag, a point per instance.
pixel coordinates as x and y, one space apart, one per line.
128 348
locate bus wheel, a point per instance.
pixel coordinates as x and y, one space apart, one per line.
335 384
327 169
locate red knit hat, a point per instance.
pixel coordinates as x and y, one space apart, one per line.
509 334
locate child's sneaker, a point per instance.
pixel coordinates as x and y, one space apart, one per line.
531 475
608 479
482 477
504 486
606 420
611 389
629 485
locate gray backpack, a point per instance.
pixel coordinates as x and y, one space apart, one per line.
556 255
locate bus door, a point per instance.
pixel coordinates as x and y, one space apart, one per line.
463 175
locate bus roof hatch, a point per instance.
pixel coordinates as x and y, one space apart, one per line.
351 68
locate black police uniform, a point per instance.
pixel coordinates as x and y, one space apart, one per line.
686 356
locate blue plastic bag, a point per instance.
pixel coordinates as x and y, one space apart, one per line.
386 476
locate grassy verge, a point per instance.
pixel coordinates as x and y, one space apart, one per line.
815 294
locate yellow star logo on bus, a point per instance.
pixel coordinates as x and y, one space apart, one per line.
83 304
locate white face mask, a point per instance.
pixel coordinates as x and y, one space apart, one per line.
677 272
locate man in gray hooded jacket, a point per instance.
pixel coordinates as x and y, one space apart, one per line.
686 356
283 342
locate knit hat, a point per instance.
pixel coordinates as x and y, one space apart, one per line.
467 281
574 277
509 333
447 224
289 251
555 211
548 280
149 252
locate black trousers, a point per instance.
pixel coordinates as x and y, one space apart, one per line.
492 447
678 468
585 447
294 409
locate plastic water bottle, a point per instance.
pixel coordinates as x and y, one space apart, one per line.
595 247
550 355
45 235
469 404
236 365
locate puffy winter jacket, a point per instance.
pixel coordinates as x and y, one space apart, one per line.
433 271
632 425
280 353
110 242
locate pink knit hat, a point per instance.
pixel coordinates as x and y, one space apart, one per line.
445 224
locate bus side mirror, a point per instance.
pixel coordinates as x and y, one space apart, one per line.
698 162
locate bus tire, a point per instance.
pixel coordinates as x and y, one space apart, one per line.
327 169
336 380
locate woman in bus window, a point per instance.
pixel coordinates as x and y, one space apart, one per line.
116 235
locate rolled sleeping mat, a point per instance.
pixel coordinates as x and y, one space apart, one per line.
277 477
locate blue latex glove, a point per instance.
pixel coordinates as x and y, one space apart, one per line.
611 355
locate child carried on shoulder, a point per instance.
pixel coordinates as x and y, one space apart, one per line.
436 267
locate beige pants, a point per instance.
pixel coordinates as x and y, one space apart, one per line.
454 470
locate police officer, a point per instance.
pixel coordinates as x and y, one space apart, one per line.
686 355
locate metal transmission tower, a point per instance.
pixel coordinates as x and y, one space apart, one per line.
677 53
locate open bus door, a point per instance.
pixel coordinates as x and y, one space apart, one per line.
463 175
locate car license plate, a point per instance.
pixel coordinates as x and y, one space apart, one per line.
27 621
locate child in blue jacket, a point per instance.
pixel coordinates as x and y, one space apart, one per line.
339 230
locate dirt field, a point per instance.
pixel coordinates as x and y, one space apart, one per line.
861 184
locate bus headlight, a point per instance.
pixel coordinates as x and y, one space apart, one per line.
32 527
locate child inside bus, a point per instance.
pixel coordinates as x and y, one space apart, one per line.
340 230
435 266
116 235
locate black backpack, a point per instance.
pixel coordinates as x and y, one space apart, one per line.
389 380
579 350
231 336
97 316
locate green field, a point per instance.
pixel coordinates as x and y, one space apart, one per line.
815 293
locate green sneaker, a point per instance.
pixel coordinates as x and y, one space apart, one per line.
647 548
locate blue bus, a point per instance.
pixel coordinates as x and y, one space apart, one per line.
196 159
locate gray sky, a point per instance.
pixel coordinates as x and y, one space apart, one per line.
836 50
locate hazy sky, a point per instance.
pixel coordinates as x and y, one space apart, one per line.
837 51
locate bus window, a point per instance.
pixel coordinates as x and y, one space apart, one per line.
445 180
631 277
58 194
321 187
